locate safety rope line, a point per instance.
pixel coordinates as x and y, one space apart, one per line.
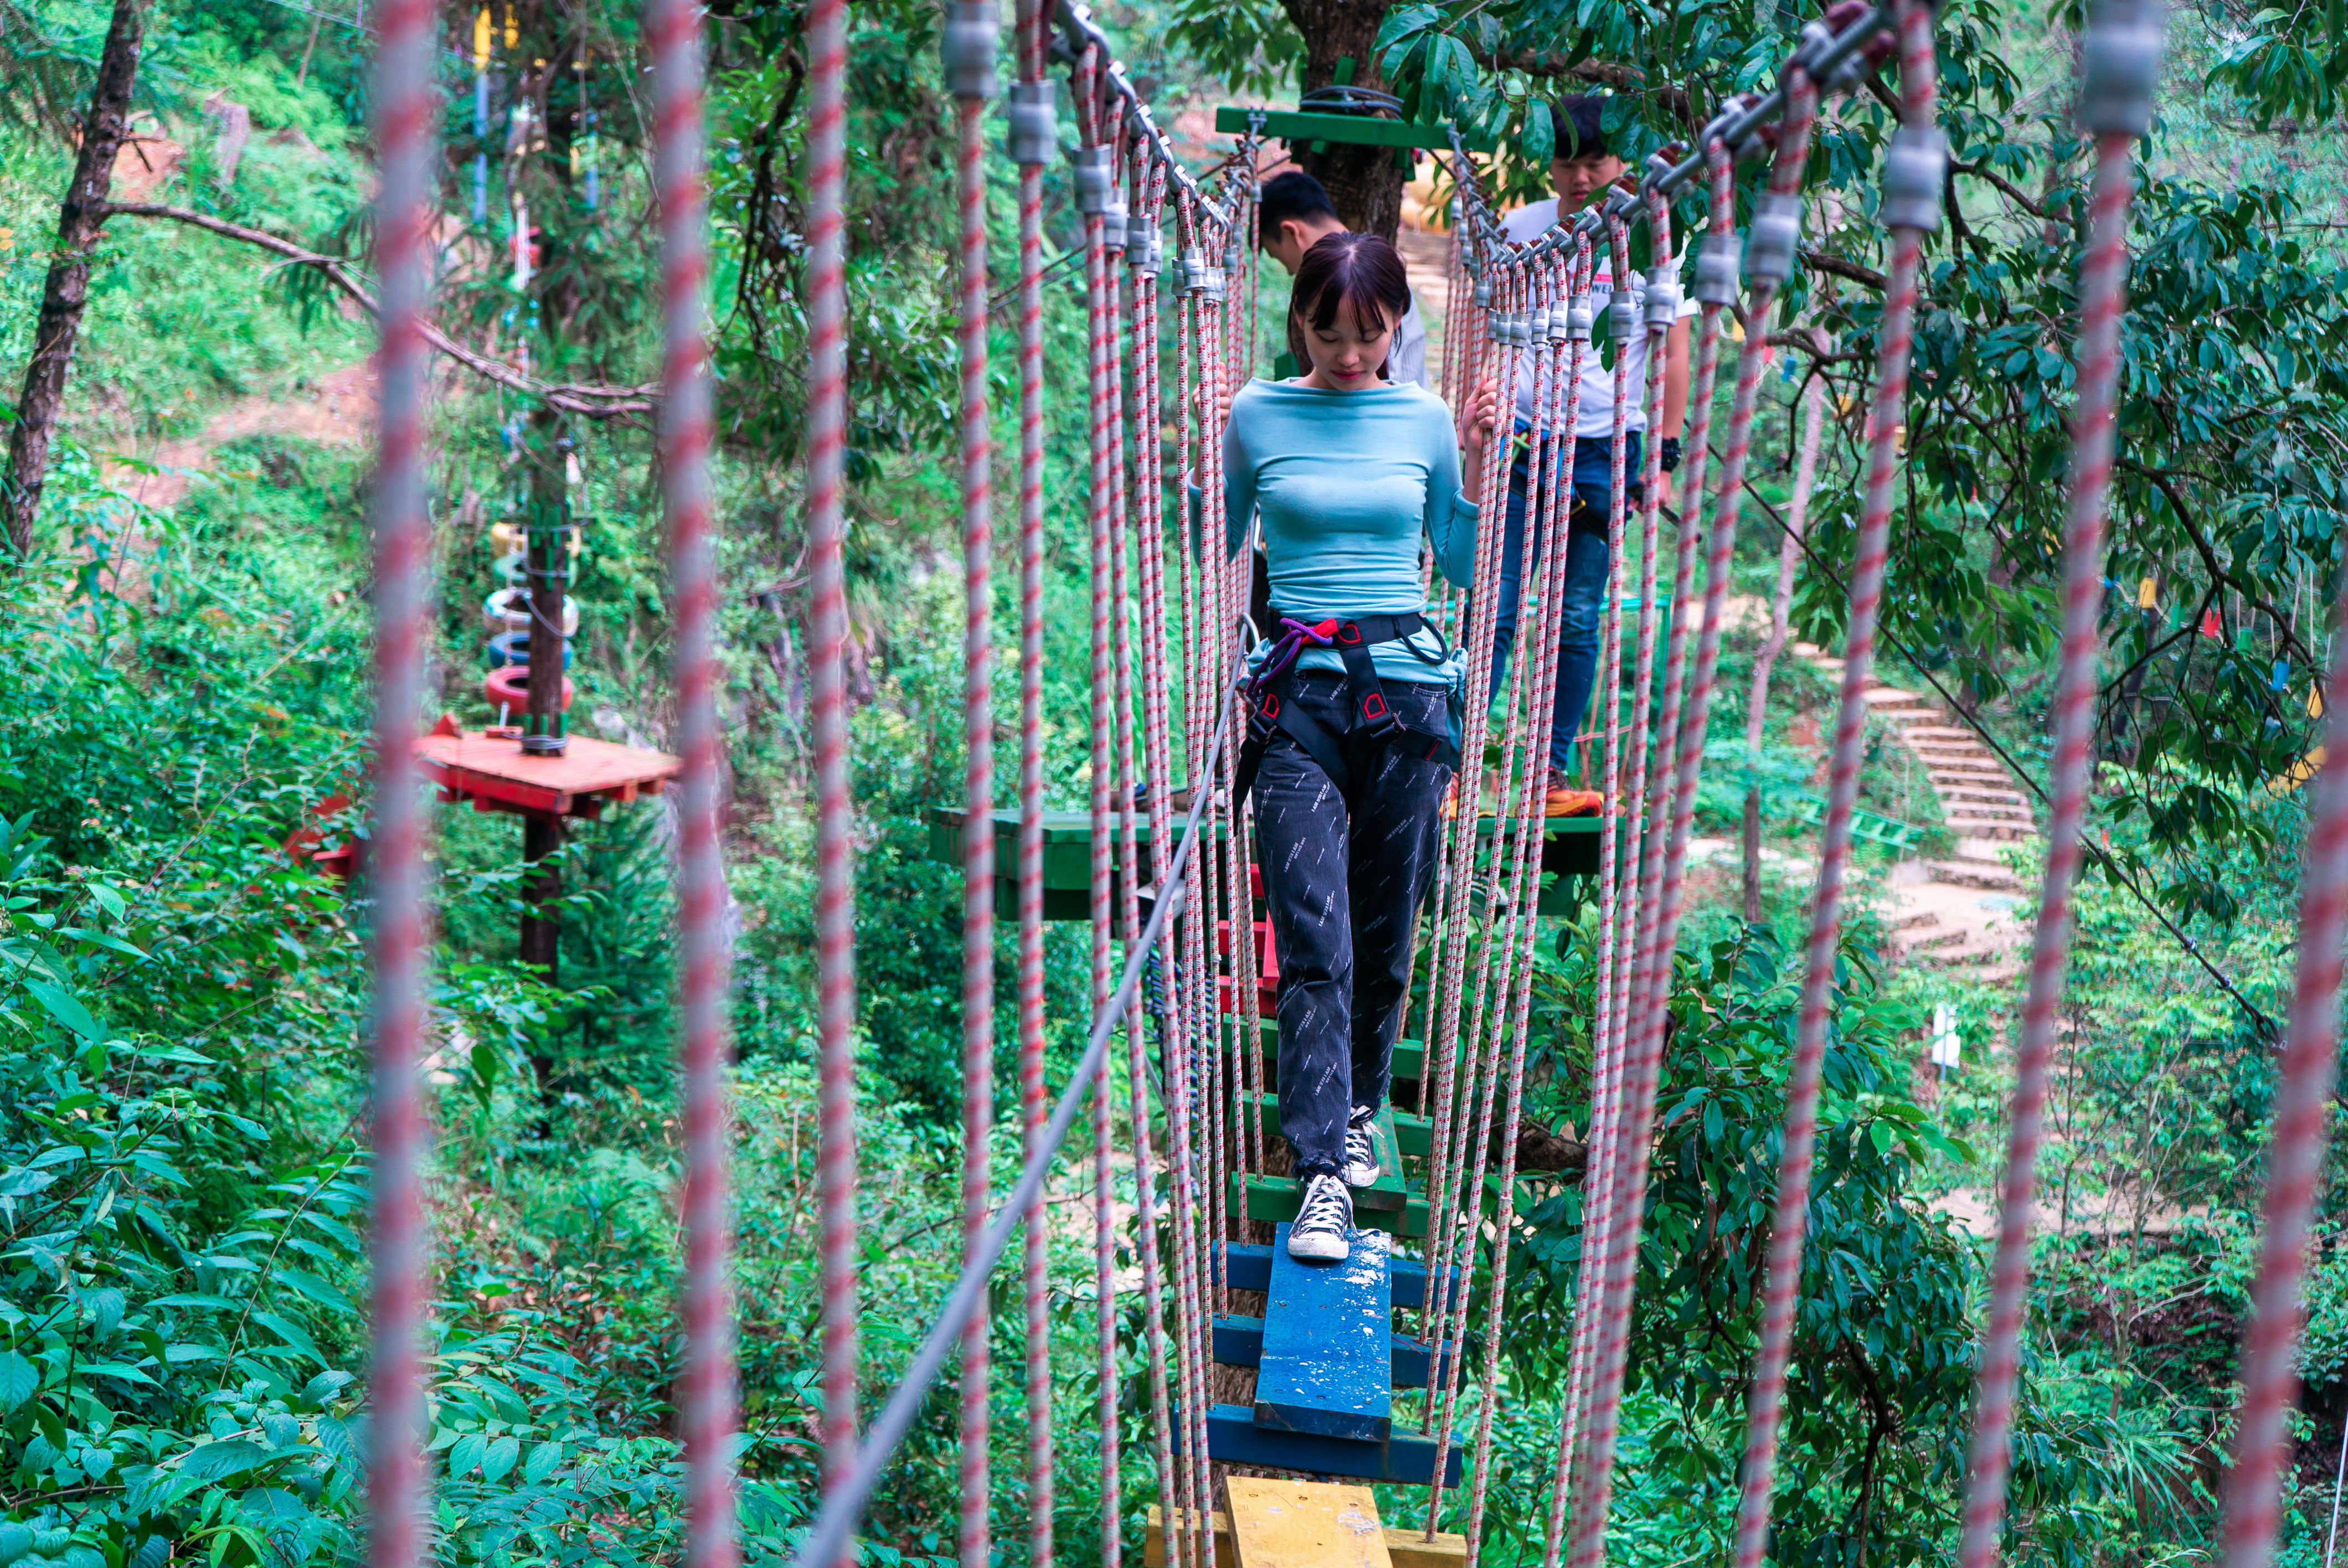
1605 1054
1914 173
1128 877
1645 1054
1661 314
969 44
2121 62
2302 1117
400 1250
1145 508
835 911
707 1408
1526 303
1622 324
1531 821
1095 171
1034 139
1447 974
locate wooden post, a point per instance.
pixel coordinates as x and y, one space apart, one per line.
548 565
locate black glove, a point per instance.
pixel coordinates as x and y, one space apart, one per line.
1670 457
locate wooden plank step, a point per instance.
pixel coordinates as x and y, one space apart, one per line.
1326 1365
1282 1523
1275 1200
1239 1342
1394 1133
1404 1458
1408 1546
1248 1267
1408 1062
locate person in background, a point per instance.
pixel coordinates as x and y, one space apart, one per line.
1293 214
1584 169
1350 745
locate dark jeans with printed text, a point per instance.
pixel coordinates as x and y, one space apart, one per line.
1344 876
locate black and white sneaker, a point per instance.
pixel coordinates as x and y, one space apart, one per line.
1323 1227
1360 1154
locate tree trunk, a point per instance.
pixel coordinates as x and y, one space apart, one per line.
78 222
1364 183
1781 613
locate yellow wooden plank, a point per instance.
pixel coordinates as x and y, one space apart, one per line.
1407 1548
1304 1524
1153 1549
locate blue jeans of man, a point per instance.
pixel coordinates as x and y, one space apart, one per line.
1586 558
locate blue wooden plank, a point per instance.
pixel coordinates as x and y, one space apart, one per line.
1239 1341
1250 1268
1404 1458
1327 1361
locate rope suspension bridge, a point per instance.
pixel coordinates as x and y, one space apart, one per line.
1182 968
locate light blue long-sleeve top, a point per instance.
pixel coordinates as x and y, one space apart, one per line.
1347 482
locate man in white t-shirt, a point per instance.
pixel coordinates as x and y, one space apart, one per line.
1293 213
1583 170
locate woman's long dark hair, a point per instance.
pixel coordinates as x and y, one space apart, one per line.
1360 274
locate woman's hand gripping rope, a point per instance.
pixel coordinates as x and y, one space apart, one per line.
1483 418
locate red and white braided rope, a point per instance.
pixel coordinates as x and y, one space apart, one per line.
2103 293
1644 1059
406 107
1782 1290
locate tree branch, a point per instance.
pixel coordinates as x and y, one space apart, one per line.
2209 555
587 402
1555 63
1835 266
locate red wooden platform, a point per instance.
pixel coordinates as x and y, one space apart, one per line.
491 769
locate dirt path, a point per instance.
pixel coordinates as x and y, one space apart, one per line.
334 409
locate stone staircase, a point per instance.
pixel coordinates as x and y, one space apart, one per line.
1978 799
1967 913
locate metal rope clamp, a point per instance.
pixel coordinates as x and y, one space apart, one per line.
1776 232
1663 302
1581 318
1096 179
2119 68
1717 266
968 49
1034 114
1915 171
1201 276
1622 316
1145 246
1560 325
1114 217
1484 292
1813 53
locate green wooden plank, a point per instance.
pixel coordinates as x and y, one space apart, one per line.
1276 1199
1354 130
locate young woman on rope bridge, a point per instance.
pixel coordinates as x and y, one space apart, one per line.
1584 170
1352 743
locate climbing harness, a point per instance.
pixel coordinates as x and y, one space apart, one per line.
1374 727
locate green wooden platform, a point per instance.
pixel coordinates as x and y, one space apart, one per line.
1570 850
